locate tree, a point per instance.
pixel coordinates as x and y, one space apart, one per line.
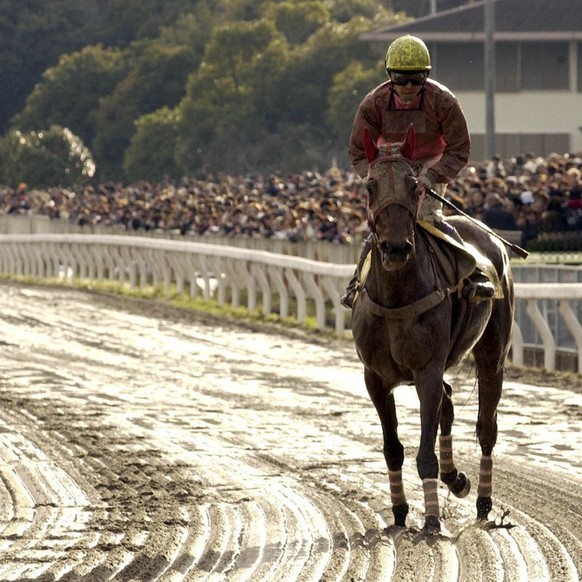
345 10
311 68
33 35
69 93
242 77
257 102
44 159
349 87
151 152
156 78
298 20
121 22
242 10
219 113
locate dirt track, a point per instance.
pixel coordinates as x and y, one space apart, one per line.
139 444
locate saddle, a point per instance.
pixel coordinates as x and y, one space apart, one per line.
456 261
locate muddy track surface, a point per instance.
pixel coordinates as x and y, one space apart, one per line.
141 443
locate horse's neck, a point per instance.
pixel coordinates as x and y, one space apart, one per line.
410 283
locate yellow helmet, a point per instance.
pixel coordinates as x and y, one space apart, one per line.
408 53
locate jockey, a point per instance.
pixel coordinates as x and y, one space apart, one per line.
442 138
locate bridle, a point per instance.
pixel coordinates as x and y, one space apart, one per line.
408 200
411 202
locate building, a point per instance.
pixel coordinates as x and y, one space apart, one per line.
538 66
418 8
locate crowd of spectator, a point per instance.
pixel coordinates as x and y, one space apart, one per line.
528 194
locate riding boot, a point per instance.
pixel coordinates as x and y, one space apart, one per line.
477 286
347 299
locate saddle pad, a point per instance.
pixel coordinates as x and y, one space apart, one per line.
468 257
456 266
363 274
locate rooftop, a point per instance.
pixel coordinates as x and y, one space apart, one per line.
515 20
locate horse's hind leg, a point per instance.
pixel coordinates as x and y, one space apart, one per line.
490 354
457 482
383 400
490 384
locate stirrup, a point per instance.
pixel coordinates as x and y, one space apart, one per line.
478 287
347 299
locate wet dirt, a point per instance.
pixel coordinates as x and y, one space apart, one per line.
141 442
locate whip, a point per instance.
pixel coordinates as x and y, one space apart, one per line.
522 253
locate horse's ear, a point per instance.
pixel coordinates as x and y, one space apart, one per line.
369 146
407 149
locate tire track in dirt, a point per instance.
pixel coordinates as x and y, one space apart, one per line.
141 448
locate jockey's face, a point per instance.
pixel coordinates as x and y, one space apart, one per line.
407 85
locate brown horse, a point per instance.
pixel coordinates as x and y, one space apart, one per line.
410 325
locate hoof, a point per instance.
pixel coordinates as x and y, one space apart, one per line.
461 486
484 505
400 512
449 478
458 483
432 525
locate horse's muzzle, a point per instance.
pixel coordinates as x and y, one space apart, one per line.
395 256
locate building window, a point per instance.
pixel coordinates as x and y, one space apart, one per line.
460 66
527 66
506 76
544 66
510 144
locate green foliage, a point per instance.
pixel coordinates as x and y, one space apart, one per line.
190 30
349 87
234 46
243 10
156 78
43 159
298 20
33 34
150 155
121 22
311 70
69 93
219 114
345 10
186 86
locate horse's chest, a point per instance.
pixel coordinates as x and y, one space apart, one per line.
402 346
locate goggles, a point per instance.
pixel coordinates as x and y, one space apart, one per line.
402 79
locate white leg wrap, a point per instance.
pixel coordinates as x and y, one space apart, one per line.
446 454
396 488
485 477
431 499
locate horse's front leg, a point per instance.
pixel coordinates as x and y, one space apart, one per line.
383 399
457 482
429 387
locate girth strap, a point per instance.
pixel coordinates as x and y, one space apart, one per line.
412 309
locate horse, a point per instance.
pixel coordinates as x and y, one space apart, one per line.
410 325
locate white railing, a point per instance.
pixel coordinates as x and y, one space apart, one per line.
228 274
233 275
